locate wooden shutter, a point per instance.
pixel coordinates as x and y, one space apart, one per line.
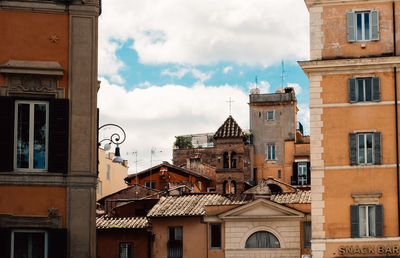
375 25
353 148
57 243
377 148
6 133
294 174
376 89
5 242
379 220
354 221
352 90
58 135
351 28
308 173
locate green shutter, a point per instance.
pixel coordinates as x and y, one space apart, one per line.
57 243
376 89
351 28
353 148
377 148
375 25
308 173
379 220
354 221
352 90
294 180
6 133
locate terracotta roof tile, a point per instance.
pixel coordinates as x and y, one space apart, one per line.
296 197
229 129
105 222
189 205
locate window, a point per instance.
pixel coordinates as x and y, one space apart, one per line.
125 250
98 188
29 244
150 184
108 172
362 26
34 135
262 239
365 148
31 135
364 89
175 245
366 220
307 234
302 173
270 115
271 152
215 236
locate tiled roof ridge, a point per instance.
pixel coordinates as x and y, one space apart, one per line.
107 222
301 196
229 129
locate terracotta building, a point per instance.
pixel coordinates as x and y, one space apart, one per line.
48 88
354 127
111 175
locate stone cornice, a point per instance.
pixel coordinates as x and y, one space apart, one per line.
316 3
32 67
338 66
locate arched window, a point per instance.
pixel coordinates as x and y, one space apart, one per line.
275 189
233 159
262 239
226 160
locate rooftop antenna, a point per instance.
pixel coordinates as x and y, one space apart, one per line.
283 73
256 82
230 105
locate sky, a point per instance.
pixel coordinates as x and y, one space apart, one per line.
169 67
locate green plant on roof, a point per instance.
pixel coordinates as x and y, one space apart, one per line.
183 142
117 226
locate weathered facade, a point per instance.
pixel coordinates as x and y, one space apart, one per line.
354 127
48 127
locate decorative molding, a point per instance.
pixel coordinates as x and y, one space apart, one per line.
357 104
8 221
54 38
359 167
47 179
354 240
366 198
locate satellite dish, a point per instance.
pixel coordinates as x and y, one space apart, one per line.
107 146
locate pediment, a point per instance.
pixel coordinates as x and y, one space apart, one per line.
261 208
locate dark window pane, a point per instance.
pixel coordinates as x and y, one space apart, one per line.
368 90
125 250
29 244
369 148
361 149
359 26
366 26
262 239
39 140
215 235
307 234
23 136
360 84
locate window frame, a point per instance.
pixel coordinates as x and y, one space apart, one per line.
128 244
151 184
366 220
46 240
211 236
363 39
302 176
307 241
262 231
365 149
273 115
352 29
355 221
31 104
271 152
175 241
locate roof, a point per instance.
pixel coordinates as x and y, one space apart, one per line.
189 205
229 129
129 193
105 222
289 198
166 164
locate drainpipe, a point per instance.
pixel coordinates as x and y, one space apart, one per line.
396 117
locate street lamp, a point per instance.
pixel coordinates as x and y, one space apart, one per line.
114 138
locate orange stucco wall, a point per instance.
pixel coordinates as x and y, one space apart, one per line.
335 32
33 200
25 36
194 236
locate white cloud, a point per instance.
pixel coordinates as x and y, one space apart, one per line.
227 69
178 74
264 86
296 86
197 74
203 32
152 116
303 116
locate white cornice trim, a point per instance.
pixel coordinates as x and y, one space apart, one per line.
359 167
316 3
355 240
358 104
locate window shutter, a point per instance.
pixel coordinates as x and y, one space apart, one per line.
379 220
58 135
6 133
5 242
377 148
351 28
376 88
355 231
57 245
352 90
375 25
308 173
353 148
294 174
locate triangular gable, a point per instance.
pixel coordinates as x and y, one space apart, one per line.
261 208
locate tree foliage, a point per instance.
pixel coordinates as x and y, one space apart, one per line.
183 142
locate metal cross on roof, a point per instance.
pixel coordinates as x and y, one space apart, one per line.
230 105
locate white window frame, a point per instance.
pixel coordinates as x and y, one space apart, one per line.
364 89
108 176
46 241
366 219
365 149
31 134
362 25
302 173
273 115
271 152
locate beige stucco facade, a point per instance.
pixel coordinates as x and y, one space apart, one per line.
111 175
